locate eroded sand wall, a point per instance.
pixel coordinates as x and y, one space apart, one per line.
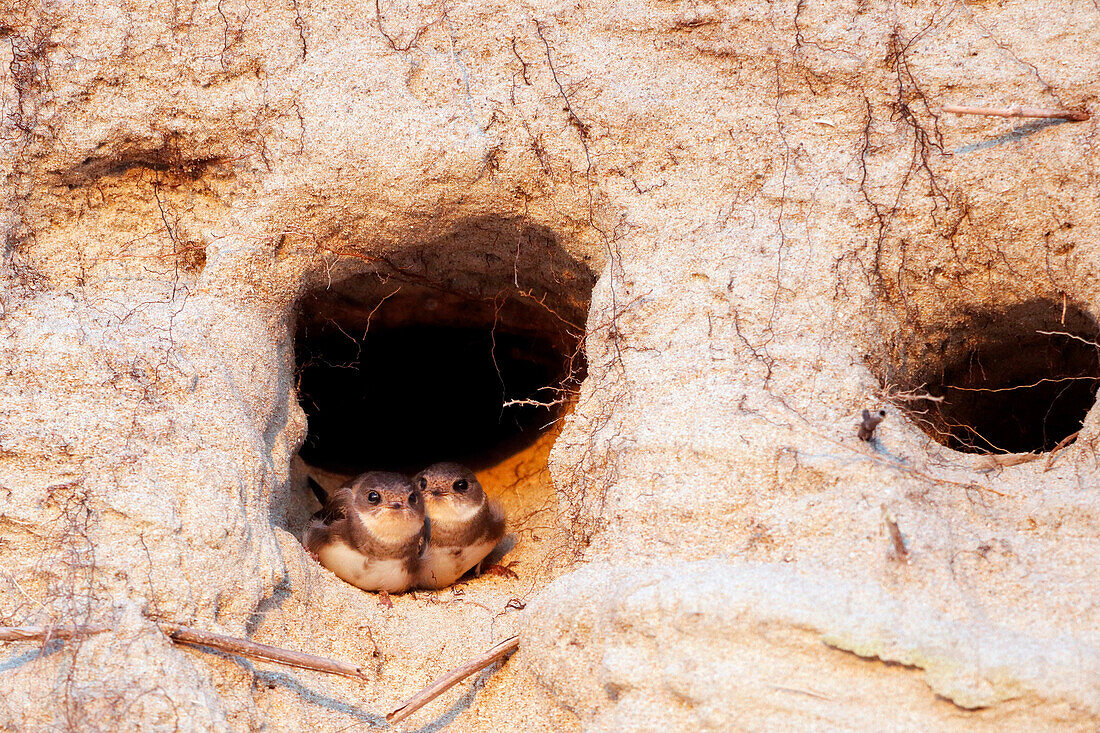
780 218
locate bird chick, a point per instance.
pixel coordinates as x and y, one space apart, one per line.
370 532
463 524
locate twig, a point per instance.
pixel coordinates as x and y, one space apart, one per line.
1061 444
1017 111
184 635
452 678
892 394
999 460
798 691
534 403
245 648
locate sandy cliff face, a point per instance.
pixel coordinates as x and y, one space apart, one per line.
752 216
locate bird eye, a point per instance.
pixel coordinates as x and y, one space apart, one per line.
460 486
423 484
412 499
374 497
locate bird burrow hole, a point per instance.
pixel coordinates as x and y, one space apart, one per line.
1017 379
464 349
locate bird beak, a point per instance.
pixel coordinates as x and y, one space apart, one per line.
396 504
436 492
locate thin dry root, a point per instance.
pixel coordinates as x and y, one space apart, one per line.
1061 444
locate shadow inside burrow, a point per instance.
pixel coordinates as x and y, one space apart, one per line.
462 349
1016 379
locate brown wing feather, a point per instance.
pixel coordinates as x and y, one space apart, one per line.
330 523
336 507
320 534
494 527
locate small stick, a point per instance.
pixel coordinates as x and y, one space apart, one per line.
184 635
246 648
1061 444
452 678
996 460
1017 111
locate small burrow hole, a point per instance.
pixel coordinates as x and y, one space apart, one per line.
1019 379
464 349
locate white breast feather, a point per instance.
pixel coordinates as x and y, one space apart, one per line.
362 571
440 566
389 526
452 512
